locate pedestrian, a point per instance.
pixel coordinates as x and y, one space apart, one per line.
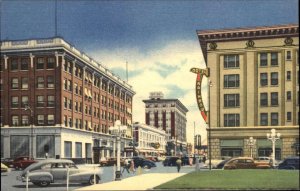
178 164
204 159
126 165
132 169
46 155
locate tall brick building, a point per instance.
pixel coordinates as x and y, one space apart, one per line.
70 99
254 75
168 115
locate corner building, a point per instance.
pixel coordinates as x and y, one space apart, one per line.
170 116
254 75
73 101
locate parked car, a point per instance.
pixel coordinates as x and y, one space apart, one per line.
266 160
244 163
4 168
111 162
22 162
291 163
7 161
142 162
221 164
49 171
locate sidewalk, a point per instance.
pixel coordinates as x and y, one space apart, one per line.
139 182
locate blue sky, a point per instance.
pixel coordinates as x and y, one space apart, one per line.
157 38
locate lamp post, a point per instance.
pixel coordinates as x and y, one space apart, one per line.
31 129
251 142
118 130
273 137
209 130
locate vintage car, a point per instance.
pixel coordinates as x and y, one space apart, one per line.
49 171
111 162
245 163
22 162
4 168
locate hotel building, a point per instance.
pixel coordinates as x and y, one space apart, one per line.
169 115
57 100
254 74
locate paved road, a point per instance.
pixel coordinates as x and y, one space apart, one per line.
9 182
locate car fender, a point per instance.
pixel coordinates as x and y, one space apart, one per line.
87 173
38 176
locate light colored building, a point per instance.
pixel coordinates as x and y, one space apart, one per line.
151 140
254 75
72 100
169 115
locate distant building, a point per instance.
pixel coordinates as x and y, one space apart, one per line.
73 101
255 87
151 141
169 115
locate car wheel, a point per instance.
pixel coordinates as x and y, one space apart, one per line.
91 180
146 166
43 183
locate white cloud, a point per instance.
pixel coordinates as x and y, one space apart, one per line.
162 69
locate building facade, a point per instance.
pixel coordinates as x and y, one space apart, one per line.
254 74
56 99
151 140
170 115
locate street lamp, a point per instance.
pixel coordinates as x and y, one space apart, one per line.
209 130
27 107
251 142
273 137
118 131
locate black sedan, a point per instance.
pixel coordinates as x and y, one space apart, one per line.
142 162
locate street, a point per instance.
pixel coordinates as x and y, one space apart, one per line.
9 182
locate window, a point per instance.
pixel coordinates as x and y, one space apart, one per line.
274 98
263 59
231 100
65 102
65 84
78 149
50 63
24 101
14 83
14 102
274 119
231 81
14 65
231 61
288 75
274 78
40 63
289 116
288 95
24 64
76 88
50 81
69 85
231 120
263 79
264 119
69 104
68 149
66 121
76 106
263 99
25 120
40 119
274 59
50 119
70 122
40 101
40 82
288 55
24 82
15 120
50 102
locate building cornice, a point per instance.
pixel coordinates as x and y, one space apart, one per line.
249 33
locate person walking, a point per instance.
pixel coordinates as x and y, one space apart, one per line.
132 169
178 164
126 165
204 159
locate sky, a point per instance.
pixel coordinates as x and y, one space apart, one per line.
157 38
